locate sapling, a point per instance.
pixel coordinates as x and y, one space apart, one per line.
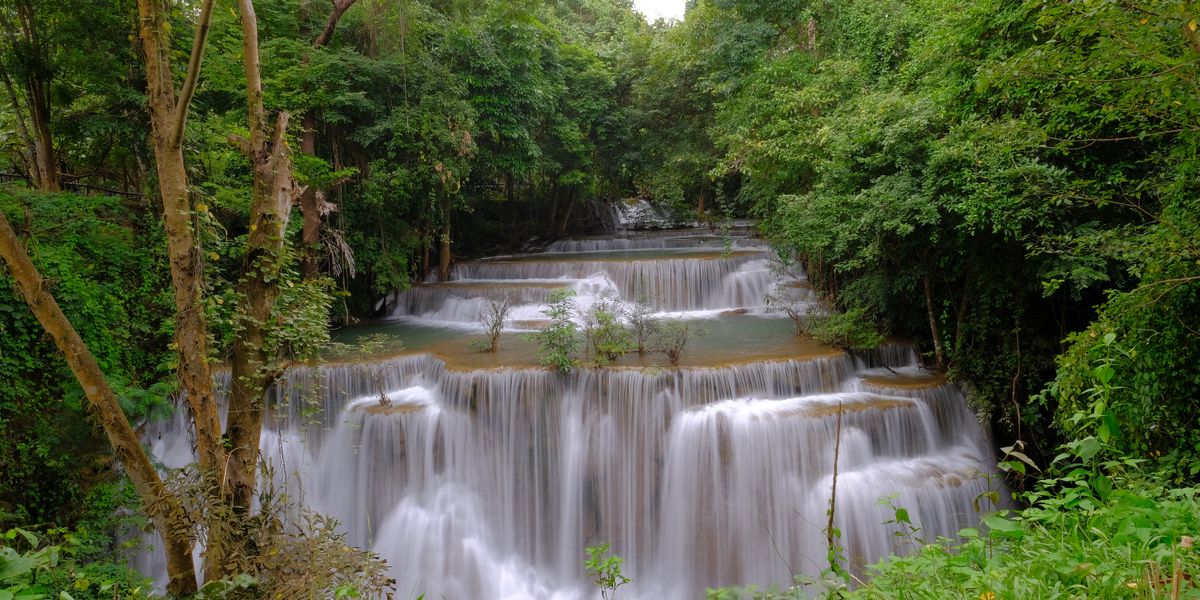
493 315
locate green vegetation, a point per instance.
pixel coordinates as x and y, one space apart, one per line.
107 267
984 178
492 316
611 329
671 338
558 341
1009 184
608 339
604 570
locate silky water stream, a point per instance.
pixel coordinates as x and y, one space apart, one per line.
485 476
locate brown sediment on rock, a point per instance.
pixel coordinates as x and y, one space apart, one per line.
797 283
622 256
831 410
489 284
734 312
341 361
906 382
380 408
518 354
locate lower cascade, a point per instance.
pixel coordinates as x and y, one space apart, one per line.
486 476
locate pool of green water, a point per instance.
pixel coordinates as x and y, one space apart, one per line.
716 341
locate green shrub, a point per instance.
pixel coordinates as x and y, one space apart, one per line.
605 570
33 568
492 316
672 338
104 262
559 341
607 337
850 330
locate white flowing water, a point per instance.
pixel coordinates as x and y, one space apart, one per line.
490 483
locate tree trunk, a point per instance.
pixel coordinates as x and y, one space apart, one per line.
310 237
164 509
35 81
426 246
566 221
254 365
39 115
444 253
310 206
29 156
167 115
960 324
938 352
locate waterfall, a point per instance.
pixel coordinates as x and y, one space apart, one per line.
490 482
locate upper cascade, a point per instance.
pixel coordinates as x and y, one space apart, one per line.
690 271
484 475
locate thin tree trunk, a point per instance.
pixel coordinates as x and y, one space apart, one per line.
566 221
29 156
310 236
938 352
426 247
254 366
310 206
167 114
960 318
39 116
160 504
444 253
36 85
960 324
830 538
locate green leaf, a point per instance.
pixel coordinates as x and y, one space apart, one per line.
1089 447
999 526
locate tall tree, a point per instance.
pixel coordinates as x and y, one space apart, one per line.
254 364
168 116
163 507
313 203
30 64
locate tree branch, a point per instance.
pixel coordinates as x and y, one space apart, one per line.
339 7
163 507
251 65
193 72
242 144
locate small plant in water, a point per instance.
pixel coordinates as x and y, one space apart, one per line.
642 323
672 338
374 371
558 341
605 570
608 339
492 316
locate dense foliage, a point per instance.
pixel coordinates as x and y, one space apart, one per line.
1010 184
986 178
106 264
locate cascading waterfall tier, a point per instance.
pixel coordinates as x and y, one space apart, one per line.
490 482
665 279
